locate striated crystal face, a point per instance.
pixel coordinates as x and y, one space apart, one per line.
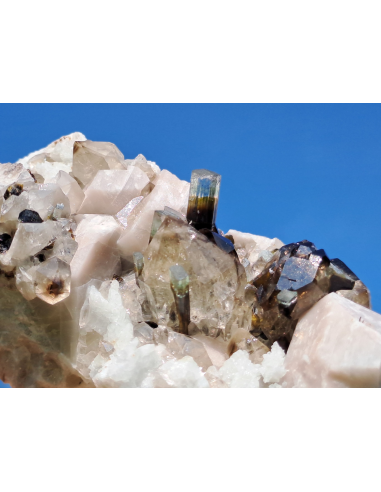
203 199
114 274
214 280
179 280
297 277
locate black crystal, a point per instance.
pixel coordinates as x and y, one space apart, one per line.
30 216
297 277
5 242
15 189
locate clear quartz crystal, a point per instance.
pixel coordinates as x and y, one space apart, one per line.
53 281
180 287
203 199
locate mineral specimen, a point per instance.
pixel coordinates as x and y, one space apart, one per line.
337 343
203 199
113 274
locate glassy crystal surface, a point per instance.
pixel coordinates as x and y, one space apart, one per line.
90 157
203 199
180 287
298 276
53 281
5 242
138 264
29 216
123 214
202 309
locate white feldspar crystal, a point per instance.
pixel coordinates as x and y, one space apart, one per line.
272 367
239 372
254 252
57 156
169 191
337 343
150 168
111 190
90 238
97 256
183 373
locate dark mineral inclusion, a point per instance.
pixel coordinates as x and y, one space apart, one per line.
30 216
297 276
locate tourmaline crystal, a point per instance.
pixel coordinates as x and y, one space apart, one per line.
203 199
180 288
202 309
138 264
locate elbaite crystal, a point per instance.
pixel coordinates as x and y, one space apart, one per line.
180 287
203 199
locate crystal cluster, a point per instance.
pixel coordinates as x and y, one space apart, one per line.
115 274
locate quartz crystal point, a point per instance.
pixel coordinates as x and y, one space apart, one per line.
216 281
52 279
203 199
169 191
160 215
90 157
337 343
207 310
180 287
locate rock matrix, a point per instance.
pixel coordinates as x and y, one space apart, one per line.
113 273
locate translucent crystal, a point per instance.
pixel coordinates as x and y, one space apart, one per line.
203 199
243 340
53 281
123 214
70 188
169 191
180 287
160 215
111 190
215 281
90 157
138 264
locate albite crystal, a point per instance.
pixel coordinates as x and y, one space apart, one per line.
113 273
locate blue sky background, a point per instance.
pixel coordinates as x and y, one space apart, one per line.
292 171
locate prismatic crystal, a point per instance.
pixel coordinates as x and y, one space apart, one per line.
115 274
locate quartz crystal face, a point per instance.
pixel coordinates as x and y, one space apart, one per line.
216 282
114 274
53 281
90 157
203 199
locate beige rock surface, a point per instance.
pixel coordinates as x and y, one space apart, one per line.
336 344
